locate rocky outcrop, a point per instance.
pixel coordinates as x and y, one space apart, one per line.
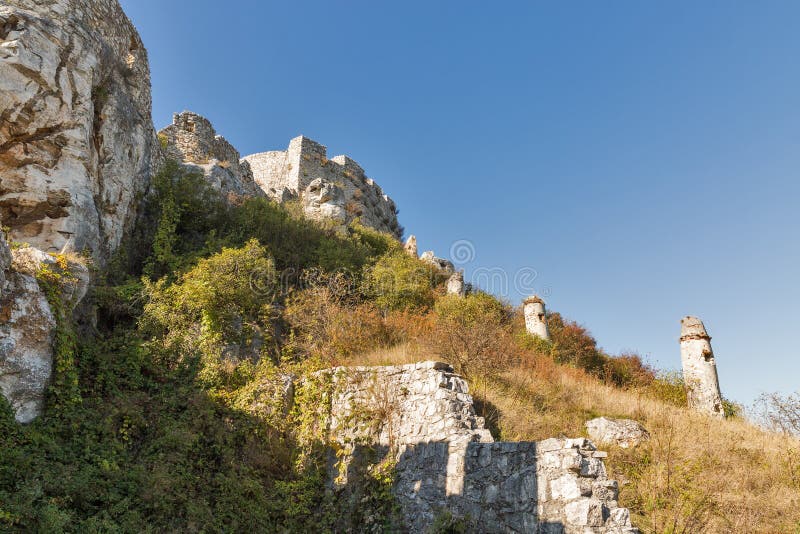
440 263
410 246
192 141
330 189
423 415
623 433
455 284
27 324
77 146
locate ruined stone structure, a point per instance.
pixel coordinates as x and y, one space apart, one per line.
411 246
700 369
334 189
455 284
535 317
192 140
77 145
440 263
423 414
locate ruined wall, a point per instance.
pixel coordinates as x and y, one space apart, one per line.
192 140
335 188
77 146
424 415
700 368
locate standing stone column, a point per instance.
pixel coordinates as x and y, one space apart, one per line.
455 284
535 317
411 246
700 369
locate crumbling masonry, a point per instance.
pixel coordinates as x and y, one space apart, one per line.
447 460
700 369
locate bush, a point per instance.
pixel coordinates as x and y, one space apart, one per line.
224 304
397 281
473 334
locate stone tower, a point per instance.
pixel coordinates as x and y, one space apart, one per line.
535 317
455 284
411 246
699 368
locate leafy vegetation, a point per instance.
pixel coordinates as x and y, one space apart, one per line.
173 415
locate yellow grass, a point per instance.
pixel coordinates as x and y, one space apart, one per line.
695 474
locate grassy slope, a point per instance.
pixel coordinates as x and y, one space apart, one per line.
694 475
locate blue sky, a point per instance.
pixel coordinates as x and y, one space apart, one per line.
643 158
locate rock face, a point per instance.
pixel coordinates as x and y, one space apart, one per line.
700 368
440 263
621 432
77 146
26 338
334 189
192 140
536 317
423 414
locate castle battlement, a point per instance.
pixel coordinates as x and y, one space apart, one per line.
291 172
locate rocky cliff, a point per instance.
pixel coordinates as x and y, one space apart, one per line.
77 145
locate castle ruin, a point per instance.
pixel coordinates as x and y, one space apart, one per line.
334 189
700 369
535 317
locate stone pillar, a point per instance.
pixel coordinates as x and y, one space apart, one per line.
455 284
700 369
535 317
411 246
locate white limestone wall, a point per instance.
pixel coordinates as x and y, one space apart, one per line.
423 414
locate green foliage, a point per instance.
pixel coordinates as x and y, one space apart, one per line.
53 279
473 333
187 212
397 281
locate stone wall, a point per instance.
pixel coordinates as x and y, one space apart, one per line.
77 146
192 140
335 188
446 460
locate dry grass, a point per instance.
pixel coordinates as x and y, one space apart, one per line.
695 475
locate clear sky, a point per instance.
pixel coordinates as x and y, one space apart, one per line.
643 158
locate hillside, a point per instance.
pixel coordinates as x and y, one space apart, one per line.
195 341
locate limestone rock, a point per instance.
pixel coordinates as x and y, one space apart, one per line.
622 432
411 246
440 263
27 325
26 335
455 284
535 317
700 369
77 146
192 141
290 173
423 414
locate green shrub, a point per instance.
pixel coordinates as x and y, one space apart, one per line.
473 333
397 281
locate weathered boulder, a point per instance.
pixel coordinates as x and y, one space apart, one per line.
27 323
621 432
77 146
455 284
440 263
192 141
26 334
